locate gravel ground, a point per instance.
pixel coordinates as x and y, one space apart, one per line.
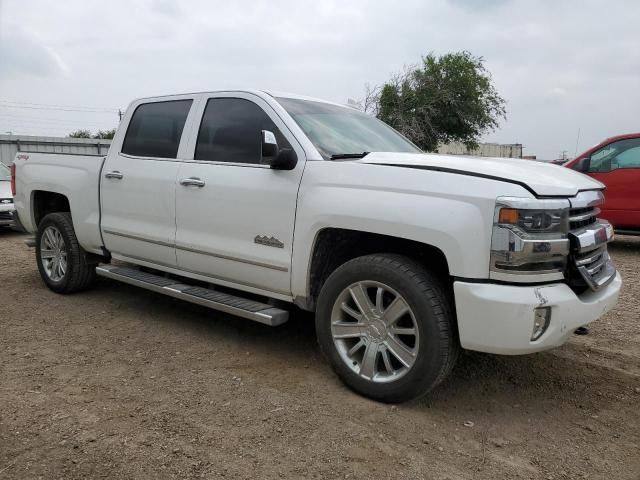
119 382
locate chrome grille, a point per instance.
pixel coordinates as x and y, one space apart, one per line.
596 268
589 237
582 217
593 262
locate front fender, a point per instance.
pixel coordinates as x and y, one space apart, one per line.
451 212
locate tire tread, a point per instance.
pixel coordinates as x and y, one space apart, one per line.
82 272
432 289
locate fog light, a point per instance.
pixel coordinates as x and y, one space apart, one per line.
541 319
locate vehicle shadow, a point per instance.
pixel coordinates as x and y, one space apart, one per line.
8 232
625 243
532 382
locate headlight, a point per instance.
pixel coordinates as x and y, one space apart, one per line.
529 241
534 221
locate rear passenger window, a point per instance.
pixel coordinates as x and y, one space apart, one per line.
230 131
155 129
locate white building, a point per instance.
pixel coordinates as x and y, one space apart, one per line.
11 144
508 150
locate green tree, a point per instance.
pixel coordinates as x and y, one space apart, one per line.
80 134
100 134
444 99
105 134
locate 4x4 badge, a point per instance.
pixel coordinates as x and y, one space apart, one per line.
268 241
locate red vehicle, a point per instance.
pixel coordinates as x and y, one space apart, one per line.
616 163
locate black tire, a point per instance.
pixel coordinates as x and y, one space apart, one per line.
438 345
80 273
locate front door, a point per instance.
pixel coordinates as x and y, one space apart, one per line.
617 165
138 185
235 215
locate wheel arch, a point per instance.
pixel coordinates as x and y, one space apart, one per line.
333 247
44 202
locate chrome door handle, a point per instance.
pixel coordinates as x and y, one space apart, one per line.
115 174
192 182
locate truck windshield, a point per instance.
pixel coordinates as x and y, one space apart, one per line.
5 174
342 132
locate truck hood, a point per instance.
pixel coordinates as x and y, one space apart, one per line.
542 179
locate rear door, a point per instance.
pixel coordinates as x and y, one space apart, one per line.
617 165
235 215
138 184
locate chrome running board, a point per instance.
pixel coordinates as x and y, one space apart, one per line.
223 302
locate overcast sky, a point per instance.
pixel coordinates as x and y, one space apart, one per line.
562 66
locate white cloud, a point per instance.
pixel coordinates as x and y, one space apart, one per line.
22 52
170 8
561 65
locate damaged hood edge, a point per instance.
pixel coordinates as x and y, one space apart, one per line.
539 178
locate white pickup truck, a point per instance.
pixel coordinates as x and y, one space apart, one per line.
243 201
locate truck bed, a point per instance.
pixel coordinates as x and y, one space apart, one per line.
77 177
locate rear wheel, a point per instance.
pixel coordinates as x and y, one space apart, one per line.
386 326
64 266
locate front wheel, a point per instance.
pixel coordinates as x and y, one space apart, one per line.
63 264
386 326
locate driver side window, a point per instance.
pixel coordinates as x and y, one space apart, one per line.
601 160
620 154
230 131
629 158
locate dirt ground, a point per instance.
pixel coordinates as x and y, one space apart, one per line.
119 382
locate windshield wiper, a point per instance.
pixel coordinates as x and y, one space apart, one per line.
343 156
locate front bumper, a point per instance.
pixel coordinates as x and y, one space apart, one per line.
499 319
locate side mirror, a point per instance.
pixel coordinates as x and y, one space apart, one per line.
269 144
285 159
582 165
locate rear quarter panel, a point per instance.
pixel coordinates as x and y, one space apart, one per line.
74 176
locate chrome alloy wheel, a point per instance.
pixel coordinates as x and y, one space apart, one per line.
53 253
375 331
